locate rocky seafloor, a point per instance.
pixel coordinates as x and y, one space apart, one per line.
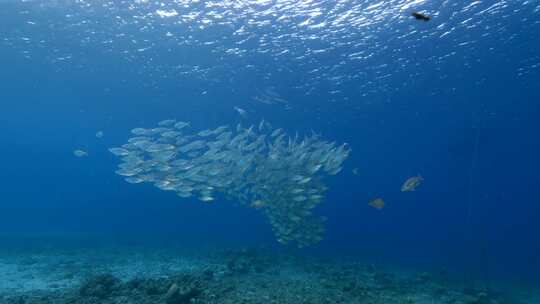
132 275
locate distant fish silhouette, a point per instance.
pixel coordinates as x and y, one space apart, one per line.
420 16
377 203
411 183
80 153
240 111
258 204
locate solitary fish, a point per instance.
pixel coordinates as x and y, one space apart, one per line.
80 153
420 16
377 203
99 134
411 183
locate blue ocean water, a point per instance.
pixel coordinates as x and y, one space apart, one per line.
454 99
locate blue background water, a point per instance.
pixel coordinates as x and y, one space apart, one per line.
417 105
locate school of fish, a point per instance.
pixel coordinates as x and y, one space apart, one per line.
259 167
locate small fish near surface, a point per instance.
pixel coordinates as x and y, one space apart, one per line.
377 203
420 16
411 183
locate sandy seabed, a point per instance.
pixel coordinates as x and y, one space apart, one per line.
175 275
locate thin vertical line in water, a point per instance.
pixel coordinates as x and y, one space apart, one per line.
469 238
472 168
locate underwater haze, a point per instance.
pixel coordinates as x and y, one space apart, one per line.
269 151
